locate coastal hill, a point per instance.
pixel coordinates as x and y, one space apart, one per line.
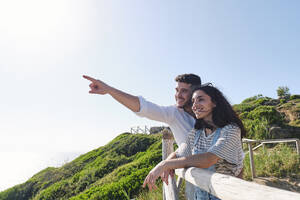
267 118
117 170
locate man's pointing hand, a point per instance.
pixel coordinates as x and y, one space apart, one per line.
97 86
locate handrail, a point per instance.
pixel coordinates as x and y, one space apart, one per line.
262 143
223 186
231 188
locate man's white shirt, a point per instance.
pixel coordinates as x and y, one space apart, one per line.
179 121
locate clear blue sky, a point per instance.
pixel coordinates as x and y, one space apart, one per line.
244 47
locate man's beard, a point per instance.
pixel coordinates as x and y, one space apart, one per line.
188 104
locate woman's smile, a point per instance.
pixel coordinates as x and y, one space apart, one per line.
202 105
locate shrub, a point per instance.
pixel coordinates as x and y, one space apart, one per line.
283 92
257 129
295 96
239 108
282 101
261 101
268 113
250 99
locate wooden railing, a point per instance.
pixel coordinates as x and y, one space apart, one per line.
262 143
223 186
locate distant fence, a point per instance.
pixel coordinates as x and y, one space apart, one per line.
138 129
146 130
223 186
262 144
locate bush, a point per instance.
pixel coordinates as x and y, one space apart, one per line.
240 108
268 113
282 101
261 101
295 96
250 99
257 129
283 92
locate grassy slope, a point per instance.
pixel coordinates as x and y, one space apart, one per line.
114 171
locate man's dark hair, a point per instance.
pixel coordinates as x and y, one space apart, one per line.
189 79
223 114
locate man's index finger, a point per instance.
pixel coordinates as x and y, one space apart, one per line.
89 78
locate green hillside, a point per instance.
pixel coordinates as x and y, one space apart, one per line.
117 170
267 118
114 171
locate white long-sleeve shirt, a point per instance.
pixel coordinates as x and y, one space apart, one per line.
179 121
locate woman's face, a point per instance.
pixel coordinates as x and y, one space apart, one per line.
202 105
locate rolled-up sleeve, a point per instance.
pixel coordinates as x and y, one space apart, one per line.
155 112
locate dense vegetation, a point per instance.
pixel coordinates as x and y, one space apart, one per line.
117 170
259 114
114 171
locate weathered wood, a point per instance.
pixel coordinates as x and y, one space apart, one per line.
231 188
258 146
223 186
252 166
189 188
245 140
270 141
170 191
167 135
298 146
179 182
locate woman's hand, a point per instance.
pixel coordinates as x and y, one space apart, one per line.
165 175
153 175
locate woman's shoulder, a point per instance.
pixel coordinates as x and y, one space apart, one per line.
231 129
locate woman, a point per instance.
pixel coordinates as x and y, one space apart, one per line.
214 143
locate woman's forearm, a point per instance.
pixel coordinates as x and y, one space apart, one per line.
204 160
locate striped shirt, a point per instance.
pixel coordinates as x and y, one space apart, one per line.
228 148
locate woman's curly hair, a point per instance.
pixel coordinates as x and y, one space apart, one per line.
222 114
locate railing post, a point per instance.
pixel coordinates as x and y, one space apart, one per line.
147 131
298 146
170 191
251 160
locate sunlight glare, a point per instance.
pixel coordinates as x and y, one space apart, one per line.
31 18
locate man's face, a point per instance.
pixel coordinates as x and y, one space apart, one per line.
183 95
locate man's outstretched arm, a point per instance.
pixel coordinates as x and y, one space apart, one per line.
99 87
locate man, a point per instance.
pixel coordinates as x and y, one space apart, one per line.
179 117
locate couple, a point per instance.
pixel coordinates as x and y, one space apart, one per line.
205 127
